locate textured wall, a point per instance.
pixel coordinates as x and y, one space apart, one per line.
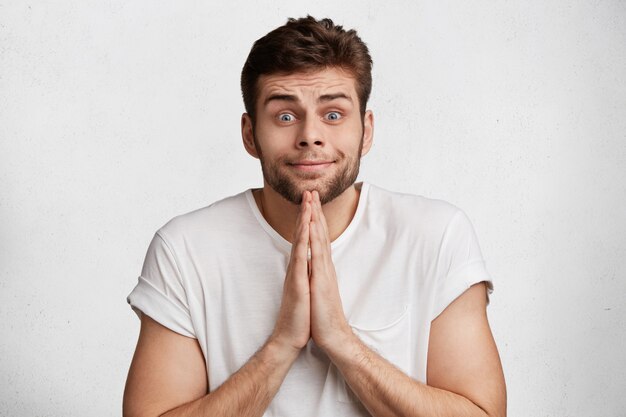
117 115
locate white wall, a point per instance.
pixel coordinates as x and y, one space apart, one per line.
117 115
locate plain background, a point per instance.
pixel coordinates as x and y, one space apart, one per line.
117 115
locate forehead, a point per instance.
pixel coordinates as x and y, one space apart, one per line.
308 83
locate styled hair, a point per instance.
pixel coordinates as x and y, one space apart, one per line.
307 45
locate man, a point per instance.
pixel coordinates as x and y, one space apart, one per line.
314 296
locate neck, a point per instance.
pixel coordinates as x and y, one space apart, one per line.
282 214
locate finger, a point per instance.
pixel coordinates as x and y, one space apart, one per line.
322 218
318 216
301 243
302 206
316 247
309 199
300 218
319 245
314 207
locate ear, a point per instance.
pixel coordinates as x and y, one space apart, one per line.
368 132
247 135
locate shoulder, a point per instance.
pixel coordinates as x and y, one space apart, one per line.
215 219
411 210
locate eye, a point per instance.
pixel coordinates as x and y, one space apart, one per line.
286 117
333 116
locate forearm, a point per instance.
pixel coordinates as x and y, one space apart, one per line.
247 392
386 391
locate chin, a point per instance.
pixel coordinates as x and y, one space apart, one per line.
329 187
327 192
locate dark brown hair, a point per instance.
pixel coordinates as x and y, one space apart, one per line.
304 45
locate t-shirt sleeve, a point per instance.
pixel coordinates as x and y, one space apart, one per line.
460 263
160 292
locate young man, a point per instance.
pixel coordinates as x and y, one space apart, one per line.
314 296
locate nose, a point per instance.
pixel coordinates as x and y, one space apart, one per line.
310 134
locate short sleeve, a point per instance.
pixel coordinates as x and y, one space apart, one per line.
160 292
460 263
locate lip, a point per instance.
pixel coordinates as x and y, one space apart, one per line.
309 165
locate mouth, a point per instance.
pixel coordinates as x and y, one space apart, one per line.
311 166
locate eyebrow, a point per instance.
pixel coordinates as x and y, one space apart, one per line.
281 97
330 97
322 99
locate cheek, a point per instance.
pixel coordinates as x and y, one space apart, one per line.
274 143
350 136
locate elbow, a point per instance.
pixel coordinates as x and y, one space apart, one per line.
492 410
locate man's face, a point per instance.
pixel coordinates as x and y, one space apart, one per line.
308 133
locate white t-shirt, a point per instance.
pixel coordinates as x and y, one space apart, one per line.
216 274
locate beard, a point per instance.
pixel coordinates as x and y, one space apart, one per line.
291 186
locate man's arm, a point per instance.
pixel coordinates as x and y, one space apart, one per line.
168 378
168 375
464 372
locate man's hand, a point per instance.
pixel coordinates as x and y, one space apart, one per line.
329 328
294 320
311 305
